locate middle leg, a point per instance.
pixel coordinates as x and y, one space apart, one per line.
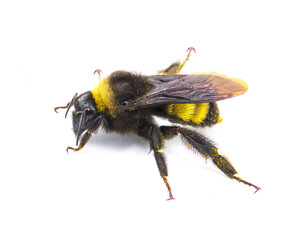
155 137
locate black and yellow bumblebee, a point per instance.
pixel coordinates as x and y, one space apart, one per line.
126 102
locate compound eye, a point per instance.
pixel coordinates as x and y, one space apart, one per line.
88 111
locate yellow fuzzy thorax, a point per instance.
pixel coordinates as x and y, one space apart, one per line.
189 111
103 96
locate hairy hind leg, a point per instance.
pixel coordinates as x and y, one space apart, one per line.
207 149
176 67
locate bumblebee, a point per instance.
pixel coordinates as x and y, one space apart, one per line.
126 102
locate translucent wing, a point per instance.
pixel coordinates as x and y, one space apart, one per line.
194 88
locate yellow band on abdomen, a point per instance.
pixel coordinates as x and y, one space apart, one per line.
189 111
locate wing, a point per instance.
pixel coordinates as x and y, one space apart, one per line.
194 88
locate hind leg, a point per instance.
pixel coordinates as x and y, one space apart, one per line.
207 149
176 67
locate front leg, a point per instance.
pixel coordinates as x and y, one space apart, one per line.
85 138
68 105
176 67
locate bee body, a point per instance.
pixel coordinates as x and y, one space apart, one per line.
126 102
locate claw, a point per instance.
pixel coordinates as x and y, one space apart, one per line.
98 71
257 188
68 105
247 183
150 151
170 197
190 49
71 148
56 108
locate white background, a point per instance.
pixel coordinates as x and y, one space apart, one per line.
112 188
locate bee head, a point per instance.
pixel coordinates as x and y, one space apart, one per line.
85 115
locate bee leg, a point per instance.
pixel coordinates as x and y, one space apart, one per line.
68 105
161 163
156 142
62 107
169 132
98 71
208 150
176 67
153 134
85 138
189 50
